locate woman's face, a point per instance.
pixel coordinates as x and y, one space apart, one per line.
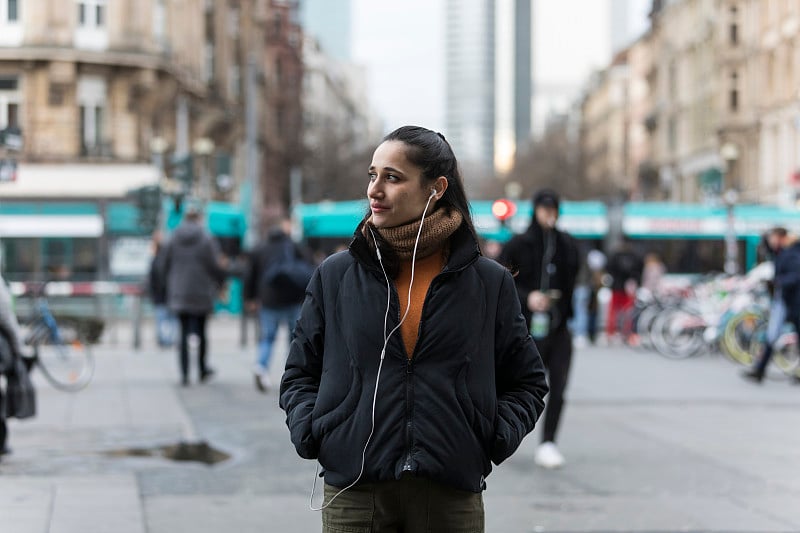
395 191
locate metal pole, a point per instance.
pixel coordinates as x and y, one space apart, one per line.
251 150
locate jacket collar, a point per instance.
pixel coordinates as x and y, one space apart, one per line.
464 250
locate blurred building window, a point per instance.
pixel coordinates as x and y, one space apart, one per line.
92 13
233 22
12 13
733 97
159 20
209 61
10 99
733 29
91 104
19 257
235 81
91 31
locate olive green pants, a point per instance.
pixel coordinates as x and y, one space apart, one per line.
410 505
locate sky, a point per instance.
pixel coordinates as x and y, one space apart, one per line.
402 46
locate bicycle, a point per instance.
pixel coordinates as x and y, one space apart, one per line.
60 350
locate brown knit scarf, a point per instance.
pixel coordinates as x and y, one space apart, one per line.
438 227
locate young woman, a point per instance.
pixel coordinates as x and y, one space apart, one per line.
411 369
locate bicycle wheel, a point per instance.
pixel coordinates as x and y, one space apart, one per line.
67 363
678 333
739 334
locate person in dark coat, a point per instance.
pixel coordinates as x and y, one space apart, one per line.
12 367
411 369
786 296
546 262
194 272
277 304
625 268
157 288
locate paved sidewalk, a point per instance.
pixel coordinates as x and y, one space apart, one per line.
652 446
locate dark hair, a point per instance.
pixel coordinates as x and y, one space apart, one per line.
779 231
431 152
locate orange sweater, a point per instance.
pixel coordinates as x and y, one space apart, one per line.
424 272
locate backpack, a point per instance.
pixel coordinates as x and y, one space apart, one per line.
288 271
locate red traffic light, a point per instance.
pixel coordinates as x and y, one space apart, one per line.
503 209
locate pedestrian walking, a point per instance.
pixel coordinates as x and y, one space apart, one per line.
277 300
411 370
17 395
546 262
157 288
194 271
786 297
625 268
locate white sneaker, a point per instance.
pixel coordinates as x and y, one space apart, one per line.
548 456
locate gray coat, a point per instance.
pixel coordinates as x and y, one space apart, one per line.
192 270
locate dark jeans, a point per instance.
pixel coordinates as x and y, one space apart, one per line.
761 364
410 505
191 323
556 352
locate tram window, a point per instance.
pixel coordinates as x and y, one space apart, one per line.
84 257
19 258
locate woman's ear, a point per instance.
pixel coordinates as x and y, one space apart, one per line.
440 184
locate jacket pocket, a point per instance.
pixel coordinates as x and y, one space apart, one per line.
482 426
324 424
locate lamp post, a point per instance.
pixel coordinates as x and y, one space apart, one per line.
204 147
730 154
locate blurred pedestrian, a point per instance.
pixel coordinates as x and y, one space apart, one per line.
17 395
596 262
546 262
411 369
653 272
277 300
786 297
194 270
157 288
625 268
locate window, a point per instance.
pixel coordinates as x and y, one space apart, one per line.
12 14
733 30
92 13
10 99
733 94
91 110
159 20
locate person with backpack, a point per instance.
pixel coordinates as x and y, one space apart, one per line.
276 286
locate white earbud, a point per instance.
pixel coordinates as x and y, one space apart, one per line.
433 192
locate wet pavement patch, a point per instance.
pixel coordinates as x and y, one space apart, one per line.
201 452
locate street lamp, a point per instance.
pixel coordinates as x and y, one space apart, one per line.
204 147
730 153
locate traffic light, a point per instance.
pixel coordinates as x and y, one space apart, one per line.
148 202
503 209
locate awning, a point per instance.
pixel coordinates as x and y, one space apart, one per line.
20 226
101 180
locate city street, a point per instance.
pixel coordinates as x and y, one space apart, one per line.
652 445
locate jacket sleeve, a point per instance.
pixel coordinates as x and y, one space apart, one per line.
301 379
789 277
510 258
519 376
252 274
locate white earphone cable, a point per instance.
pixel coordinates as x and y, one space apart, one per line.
383 355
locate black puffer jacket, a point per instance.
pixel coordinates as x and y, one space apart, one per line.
472 390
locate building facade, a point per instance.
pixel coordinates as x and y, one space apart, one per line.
123 94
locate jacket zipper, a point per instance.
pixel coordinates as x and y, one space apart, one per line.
408 462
